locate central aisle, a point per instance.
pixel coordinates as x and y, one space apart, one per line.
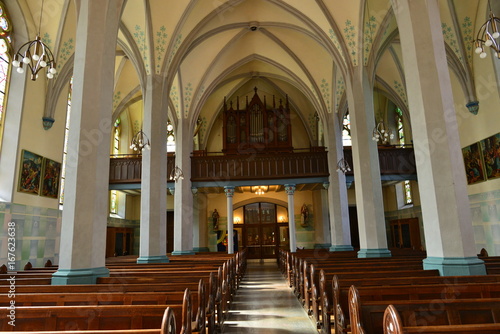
265 304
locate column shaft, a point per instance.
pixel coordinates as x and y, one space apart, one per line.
230 242
446 212
290 190
84 220
369 198
153 236
183 212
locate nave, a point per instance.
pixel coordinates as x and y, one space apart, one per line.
265 304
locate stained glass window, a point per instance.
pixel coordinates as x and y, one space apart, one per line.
65 148
170 137
5 29
346 130
116 138
408 197
401 132
113 202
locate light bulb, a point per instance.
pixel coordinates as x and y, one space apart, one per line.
50 75
53 70
348 169
131 146
36 57
382 131
20 70
478 50
16 63
483 55
496 34
43 64
26 60
488 42
148 146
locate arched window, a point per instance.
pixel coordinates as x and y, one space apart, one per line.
5 29
65 148
408 197
116 137
346 130
399 122
170 137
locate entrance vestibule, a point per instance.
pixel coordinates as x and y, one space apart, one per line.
263 227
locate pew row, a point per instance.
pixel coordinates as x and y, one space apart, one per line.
393 325
367 316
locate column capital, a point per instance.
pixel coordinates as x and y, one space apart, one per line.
229 190
171 190
194 190
290 189
326 185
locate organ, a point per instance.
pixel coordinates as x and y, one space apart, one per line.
257 128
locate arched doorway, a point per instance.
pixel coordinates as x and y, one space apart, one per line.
263 227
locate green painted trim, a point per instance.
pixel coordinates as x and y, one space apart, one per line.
184 252
321 246
341 248
201 249
456 266
78 276
375 252
153 259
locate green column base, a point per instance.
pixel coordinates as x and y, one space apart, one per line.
341 248
374 252
456 266
321 246
153 259
184 252
201 249
78 276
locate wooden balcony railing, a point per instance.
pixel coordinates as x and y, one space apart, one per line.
314 163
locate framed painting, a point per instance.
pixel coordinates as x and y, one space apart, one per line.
474 164
490 148
29 174
51 172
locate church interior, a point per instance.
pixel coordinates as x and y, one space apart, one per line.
275 131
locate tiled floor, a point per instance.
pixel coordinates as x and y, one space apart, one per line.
265 304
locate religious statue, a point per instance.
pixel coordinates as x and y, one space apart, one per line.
304 215
215 219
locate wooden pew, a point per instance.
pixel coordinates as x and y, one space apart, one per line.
367 317
392 324
126 318
336 302
323 291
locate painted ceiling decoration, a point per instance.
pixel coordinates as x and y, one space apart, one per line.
205 50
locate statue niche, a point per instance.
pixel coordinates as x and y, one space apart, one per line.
256 128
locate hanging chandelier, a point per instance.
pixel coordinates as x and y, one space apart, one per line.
343 166
382 133
488 35
260 190
35 55
176 174
140 142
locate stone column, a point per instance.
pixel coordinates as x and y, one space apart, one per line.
366 167
230 242
153 236
321 218
183 199
338 205
86 200
290 191
446 215
196 220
